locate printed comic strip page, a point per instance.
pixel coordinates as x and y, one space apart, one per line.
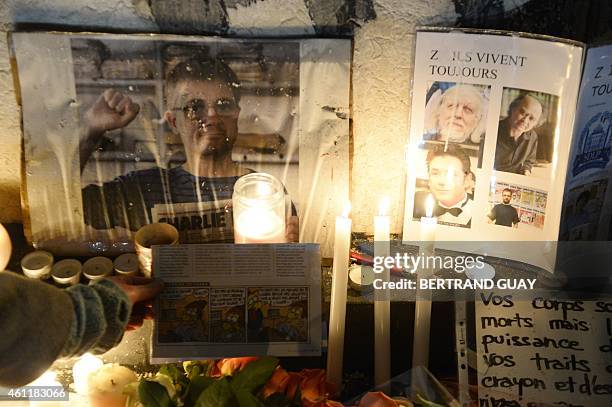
224 300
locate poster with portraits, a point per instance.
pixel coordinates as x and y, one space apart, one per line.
125 130
587 207
490 137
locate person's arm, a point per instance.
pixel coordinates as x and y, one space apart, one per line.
516 220
112 110
491 215
35 322
41 323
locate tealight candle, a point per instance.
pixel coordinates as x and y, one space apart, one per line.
258 205
149 236
82 369
5 248
66 272
126 264
361 278
37 264
106 385
97 268
258 225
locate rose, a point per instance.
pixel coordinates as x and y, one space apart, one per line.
277 383
229 366
293 384
377 399
313 387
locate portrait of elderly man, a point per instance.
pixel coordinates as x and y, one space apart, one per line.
202 107
517 141
449 182
456 116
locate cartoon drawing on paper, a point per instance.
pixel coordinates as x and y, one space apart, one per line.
277 314
184 315
227 315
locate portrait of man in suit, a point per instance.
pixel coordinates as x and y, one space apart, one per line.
449 182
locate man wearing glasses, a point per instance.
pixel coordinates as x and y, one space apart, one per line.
202 99
503 213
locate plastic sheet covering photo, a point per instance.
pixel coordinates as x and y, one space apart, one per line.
125 130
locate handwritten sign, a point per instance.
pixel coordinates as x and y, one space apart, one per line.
543 350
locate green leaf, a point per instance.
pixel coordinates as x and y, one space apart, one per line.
177 375
195 371
246 399
277 400
195 368
196 387
131 391
218 394
254 375
153 394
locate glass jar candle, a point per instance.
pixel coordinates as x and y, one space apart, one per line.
259 209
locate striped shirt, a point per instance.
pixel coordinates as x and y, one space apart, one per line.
128 200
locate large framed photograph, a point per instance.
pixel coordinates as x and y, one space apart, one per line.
126 130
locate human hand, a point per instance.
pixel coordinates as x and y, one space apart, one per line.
112 110
292 231
527 172
141 291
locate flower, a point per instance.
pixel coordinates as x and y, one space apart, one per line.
229 366
293 384
277 383
313 387
377 399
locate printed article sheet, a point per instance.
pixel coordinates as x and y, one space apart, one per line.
491 130
224 300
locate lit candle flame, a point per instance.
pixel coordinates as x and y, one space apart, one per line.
429 205
263 190
346 210
383 206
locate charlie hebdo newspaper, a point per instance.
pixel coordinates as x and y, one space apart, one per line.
224 300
